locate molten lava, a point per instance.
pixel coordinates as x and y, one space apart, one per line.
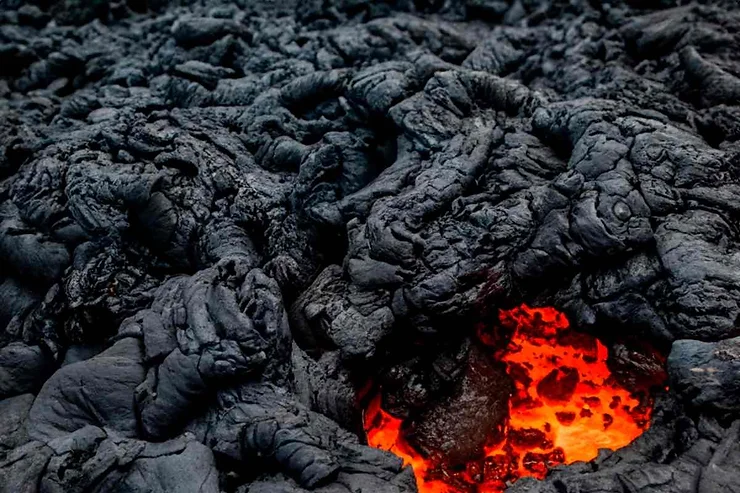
566 406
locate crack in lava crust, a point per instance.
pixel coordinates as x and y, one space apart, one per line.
566 406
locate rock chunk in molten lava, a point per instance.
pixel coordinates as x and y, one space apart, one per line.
456 429
559 384
564 404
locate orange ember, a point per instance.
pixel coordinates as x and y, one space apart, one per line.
566 406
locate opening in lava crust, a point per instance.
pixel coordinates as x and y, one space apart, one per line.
564 404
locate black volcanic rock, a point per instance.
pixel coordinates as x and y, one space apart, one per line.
93 392
23 369
705 373
91 459
219 221
455 429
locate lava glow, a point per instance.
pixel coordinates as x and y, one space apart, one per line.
566 407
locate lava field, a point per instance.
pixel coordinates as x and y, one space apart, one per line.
349 246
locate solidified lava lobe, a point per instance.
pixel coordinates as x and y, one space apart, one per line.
565 407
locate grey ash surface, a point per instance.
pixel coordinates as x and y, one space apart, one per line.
218 219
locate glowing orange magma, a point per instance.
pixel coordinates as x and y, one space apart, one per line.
566 406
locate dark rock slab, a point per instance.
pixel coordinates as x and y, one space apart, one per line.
13 422
23 369
455 429
704 373
98 391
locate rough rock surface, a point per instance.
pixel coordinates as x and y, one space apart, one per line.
218 218
457 428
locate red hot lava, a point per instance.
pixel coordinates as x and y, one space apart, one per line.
566 406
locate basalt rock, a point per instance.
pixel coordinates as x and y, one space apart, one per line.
704 373
456 428
93 459
220 220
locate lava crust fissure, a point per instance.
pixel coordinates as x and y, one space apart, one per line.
533 394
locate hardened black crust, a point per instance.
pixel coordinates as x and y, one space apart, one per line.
220 220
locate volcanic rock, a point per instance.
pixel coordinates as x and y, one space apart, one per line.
220 220
705 373
23 369
456 427
90 459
